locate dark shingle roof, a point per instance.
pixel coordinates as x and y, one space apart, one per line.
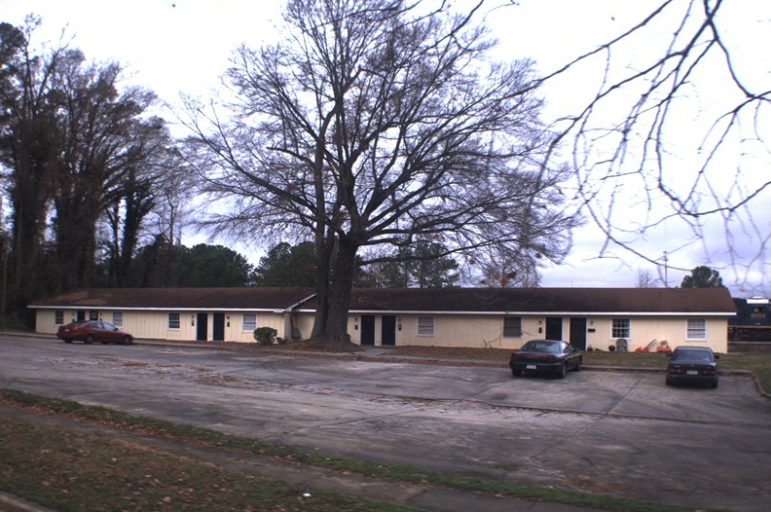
180 298
564 300
470 300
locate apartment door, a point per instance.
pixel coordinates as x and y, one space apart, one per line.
553 328
368 329
388 329
578 332
218 328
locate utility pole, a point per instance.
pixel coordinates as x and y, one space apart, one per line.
666 270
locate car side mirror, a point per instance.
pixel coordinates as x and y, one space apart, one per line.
114 328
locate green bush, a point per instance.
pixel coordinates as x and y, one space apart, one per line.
265 335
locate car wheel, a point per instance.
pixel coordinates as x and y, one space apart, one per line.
516 373
67 340
89 339
127 340
563 371
668 381
714 384
579 365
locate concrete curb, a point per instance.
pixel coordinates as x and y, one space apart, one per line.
11 503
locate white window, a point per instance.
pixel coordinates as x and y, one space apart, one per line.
696 329
425 326
250 322
117 318
174 321
621 328
58 317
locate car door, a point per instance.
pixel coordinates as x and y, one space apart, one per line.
96 330
109 332
571 354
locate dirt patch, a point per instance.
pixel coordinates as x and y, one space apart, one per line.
595 486
475 354
320 346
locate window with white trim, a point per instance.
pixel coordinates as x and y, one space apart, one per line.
249 323
425 326
622 328
512 327
59 317
117 318
174 323
696 329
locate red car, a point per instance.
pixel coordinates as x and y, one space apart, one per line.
89 331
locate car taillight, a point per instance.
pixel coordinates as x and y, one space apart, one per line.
710 371
675 369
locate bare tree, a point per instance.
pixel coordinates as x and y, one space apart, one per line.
645 279
28 147
150 161
104 146
173 194
677 130
375 122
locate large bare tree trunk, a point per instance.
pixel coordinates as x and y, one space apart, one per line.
336 331
323 262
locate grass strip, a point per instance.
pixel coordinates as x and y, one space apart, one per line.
75 472
394 473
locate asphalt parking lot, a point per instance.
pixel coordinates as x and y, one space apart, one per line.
606 432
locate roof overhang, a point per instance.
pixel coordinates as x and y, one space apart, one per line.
535 313
165 310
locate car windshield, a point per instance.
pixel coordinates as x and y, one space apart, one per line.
692 355
546 347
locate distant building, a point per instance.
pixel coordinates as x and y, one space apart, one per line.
589 318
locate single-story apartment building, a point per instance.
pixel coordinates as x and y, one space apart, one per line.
589 318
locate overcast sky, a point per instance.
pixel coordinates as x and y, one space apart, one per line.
183 46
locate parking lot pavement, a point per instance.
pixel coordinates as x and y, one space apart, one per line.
636 395
614 433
